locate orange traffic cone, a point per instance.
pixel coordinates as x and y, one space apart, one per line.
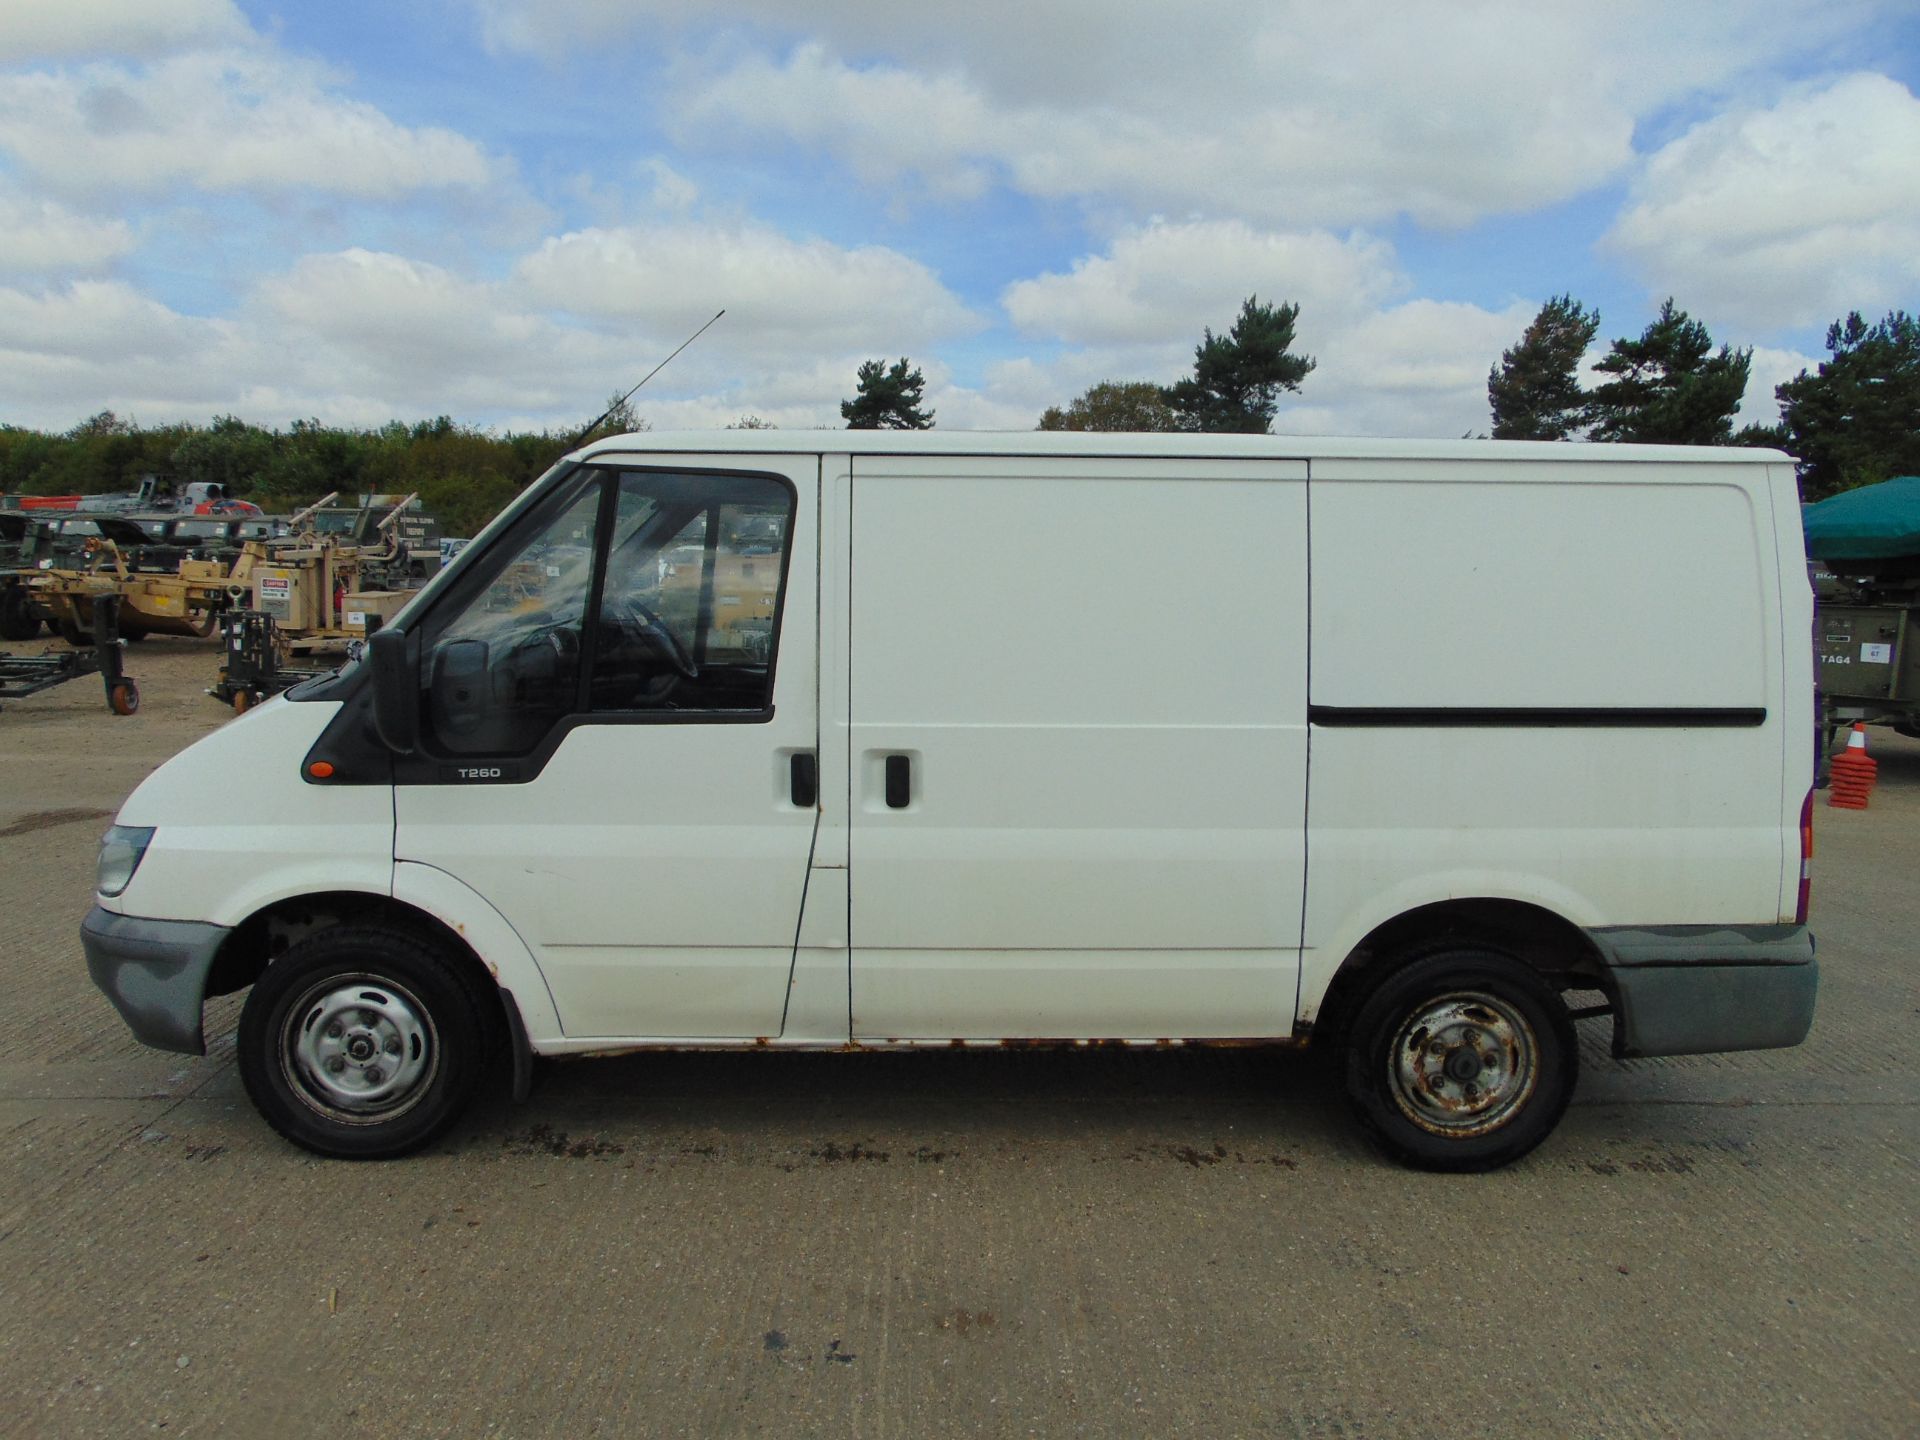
1853 772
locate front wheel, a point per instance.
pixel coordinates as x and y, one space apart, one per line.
361 1043
1464 1059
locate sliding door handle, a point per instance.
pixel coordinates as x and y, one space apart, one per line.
804 777
899 782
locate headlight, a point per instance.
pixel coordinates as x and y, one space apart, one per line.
120 851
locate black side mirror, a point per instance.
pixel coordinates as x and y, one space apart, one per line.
394 657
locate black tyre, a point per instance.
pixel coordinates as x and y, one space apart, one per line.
71 632
361 1043
1463 1059
17 619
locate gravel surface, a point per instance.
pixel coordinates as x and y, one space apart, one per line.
955 1243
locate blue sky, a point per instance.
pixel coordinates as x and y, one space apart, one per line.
503 210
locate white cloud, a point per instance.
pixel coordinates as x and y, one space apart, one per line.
1159 282
787 293
229 120
1292 113
1770 368
1785 216
41 30
359 336
39 237
95 320
1416 369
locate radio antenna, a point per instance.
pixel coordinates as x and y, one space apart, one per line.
643 380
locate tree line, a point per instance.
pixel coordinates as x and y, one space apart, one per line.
1853 420
463 475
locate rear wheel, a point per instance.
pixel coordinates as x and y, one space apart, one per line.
1463 1059
361 1043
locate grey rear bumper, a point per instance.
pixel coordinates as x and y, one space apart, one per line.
1698 989
154 972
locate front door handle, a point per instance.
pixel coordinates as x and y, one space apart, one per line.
899 782
804 776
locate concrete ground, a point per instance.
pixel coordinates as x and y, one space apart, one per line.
1004 1243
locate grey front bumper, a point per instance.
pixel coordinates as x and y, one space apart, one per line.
154 972
1699 989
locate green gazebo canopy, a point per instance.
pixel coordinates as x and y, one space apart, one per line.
1875 522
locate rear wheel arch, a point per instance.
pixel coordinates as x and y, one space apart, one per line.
1559 949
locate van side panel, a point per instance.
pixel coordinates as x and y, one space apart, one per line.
1095 673
1558 683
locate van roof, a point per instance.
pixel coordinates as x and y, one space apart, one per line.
1150 446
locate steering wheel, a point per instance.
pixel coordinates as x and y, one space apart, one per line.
653 632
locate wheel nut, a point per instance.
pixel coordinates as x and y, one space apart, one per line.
334 1032
1490 1060
1472 1037
336 1064
393 1045
373 1075
1436 1050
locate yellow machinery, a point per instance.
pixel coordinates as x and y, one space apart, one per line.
311 583
179 602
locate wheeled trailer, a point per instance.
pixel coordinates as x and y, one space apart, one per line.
24 675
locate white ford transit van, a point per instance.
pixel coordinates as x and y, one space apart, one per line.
879 740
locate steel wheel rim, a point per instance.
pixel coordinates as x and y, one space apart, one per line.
359 1049
1463 1064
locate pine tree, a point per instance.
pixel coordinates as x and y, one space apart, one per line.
1237 377
1668 388
888 399
1535 389
1857 420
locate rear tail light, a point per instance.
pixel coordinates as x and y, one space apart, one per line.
1806 859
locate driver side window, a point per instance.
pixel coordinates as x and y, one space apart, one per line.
692 590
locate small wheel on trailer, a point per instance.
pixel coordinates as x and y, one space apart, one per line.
361 1043
242 701
17 620
123 697
1463 1059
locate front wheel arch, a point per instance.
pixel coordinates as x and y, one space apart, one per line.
270 932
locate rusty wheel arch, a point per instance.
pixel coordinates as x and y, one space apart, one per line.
1552 944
